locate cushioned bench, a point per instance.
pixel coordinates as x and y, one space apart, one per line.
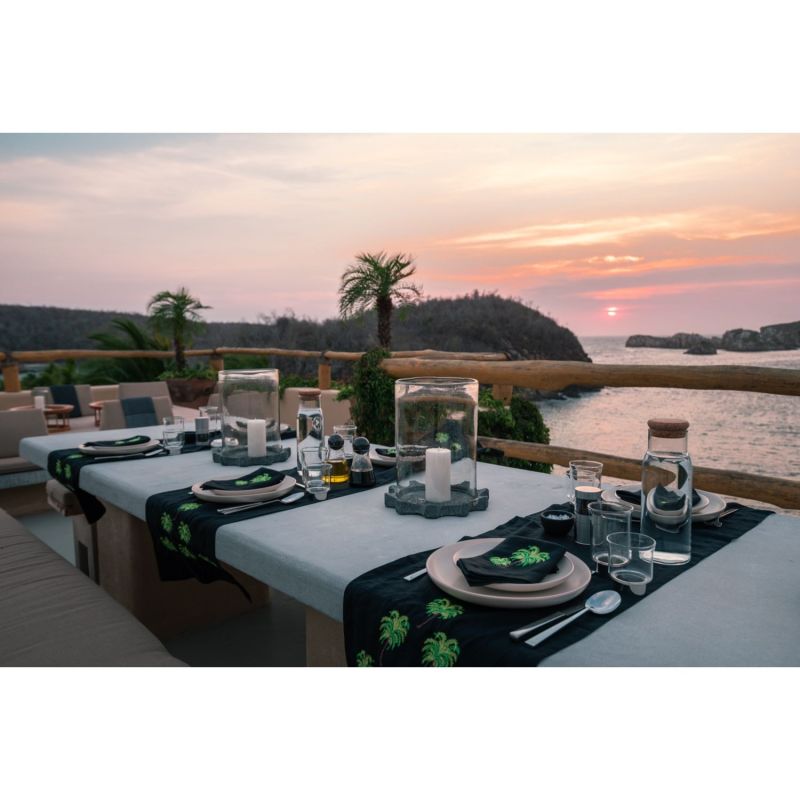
53 615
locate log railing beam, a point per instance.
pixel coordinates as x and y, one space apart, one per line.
781 492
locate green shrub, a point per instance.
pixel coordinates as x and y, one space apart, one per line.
372 398
522 422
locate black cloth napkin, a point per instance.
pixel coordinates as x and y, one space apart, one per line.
129 442
518 559
389 621
636 498
261 478
184 528
139 411
66 394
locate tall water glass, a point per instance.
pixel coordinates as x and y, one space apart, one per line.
607 519
631 560
173 434
583 473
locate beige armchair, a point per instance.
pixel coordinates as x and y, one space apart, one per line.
144 389
113 417
15 426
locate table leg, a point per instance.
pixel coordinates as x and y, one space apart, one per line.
324 640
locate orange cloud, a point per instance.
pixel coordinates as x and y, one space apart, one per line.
643 292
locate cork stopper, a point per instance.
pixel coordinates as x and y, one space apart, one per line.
668 427
311 392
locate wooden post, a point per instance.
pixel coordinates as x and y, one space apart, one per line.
324 374
216 362
503 392
11 378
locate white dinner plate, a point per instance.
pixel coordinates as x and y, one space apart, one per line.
442 570
119 450
564 569
251 495
709 504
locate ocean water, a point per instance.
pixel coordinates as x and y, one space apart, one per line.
747 431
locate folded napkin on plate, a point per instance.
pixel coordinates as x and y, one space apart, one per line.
660 499
129 442
518 559
262 478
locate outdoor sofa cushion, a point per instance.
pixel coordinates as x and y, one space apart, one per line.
113 418
14 464
53 615
16 425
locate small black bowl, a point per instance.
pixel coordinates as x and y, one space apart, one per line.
557 522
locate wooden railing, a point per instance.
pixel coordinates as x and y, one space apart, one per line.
502 374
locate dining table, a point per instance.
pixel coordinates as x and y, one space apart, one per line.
738 607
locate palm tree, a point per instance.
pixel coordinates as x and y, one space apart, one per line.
379 282
439 651
176 315
127 336
392 632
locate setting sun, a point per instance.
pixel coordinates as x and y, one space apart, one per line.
611 311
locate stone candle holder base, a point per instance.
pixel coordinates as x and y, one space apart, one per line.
239 457
411 500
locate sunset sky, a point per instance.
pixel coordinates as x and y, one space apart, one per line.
609 234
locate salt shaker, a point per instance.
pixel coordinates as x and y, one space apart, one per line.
583 520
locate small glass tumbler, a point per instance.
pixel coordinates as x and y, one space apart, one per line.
607 518
631 560
348 433
172 434
583 473
318 479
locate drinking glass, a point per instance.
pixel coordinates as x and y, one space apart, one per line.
172 434
583 473
318 479
212 412
312 457
631 560
348 433
607 518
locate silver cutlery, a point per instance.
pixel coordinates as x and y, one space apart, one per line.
288 500
414 575
717 523
520 632
149 453
599 603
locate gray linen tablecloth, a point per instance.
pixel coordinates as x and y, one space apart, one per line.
740 606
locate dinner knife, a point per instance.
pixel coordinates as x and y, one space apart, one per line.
520 632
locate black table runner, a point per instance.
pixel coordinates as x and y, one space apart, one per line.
184 528
389 621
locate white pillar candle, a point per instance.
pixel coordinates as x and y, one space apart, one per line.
256 438
38 401
437 474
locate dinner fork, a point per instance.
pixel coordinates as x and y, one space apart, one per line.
292 498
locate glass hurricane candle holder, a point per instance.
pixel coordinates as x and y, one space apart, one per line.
249 418
436 437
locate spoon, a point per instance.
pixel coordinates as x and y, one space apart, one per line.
287 501
599 603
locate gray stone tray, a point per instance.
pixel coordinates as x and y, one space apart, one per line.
411 500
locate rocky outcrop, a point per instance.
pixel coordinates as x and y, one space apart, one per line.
678 341
743 341
785 336
704 348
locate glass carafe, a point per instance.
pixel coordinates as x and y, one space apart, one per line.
361 471
309 421
667 491
340 469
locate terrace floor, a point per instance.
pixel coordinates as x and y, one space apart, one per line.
273 636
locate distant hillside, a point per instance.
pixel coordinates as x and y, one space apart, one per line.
472 323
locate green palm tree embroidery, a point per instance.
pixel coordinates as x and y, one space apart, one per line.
58 468
208 560
185 551
500 561
188 506
260 479
364 659
184 533
166 522
240 483
68 472
393 631
441 608
530 555
439 651
442 438
168 544
74 456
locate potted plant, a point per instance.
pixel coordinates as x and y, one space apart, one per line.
176 315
